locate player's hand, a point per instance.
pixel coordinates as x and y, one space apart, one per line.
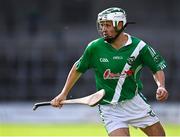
56 102
161 94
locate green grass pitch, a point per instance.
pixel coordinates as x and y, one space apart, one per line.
70 130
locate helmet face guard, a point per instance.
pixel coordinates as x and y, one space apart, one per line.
115 15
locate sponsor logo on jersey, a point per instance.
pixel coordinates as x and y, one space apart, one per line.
131 60
103 60
109 75
129 72
117 57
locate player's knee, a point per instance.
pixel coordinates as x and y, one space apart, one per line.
162 133
154 130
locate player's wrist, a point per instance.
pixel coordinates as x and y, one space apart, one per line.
161 88
63 94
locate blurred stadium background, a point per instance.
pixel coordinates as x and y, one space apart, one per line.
41 39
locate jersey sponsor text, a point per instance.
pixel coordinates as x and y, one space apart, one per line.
109 75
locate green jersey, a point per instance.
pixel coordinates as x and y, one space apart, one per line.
118 71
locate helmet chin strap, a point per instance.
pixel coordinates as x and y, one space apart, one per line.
112 39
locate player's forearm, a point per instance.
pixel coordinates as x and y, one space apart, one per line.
159 77
71 80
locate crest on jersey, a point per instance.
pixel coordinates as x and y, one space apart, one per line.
131 60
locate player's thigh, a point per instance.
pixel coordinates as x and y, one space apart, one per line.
154 130
120 132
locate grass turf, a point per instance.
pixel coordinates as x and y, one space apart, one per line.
70 130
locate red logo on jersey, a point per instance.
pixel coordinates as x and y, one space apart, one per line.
109 75
129 72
